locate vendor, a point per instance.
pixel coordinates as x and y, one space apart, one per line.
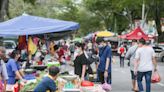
80 62
52 56
48 82
3 71
13 68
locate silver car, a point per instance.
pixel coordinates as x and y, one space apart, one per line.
10 45
159 50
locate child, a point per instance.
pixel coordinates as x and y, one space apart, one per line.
48 84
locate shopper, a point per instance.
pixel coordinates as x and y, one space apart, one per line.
80 62
145 59
13 68
121 51
48 82
104 66
130 55
3 71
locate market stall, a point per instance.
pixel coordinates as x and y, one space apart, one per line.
135 34
32 25
65 83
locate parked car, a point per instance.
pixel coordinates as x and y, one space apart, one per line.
10 45
159 50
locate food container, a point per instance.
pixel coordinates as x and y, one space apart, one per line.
71 90
87 83
39 67
57 64
29 71
69 77
95 88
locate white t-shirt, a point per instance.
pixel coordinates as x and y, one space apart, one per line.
145 55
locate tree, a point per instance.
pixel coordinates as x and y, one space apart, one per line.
77 12
155 8
4 9
88 23
103 9
111 12
120 13
30 1
93 15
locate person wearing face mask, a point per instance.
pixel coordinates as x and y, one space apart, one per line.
104 66
122 51
80 62
13 68
75 54
3 71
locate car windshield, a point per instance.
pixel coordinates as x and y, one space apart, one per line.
9 45
161 46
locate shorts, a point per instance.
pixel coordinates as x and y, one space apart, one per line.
134 77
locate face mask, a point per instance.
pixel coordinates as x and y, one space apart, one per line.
78 50
23 52
100 46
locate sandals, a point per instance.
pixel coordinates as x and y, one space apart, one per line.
135 90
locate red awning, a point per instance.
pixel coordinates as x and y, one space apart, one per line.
135 34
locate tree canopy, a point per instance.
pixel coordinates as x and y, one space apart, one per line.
93 15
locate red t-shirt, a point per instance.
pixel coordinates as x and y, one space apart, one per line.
122 49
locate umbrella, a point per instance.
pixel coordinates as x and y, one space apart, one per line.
104 34
89 36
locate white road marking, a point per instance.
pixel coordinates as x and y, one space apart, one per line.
161 84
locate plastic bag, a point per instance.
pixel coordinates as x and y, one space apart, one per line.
106 86
1 86
155 78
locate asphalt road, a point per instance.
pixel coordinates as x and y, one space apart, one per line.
121 78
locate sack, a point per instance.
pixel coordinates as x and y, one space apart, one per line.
155 78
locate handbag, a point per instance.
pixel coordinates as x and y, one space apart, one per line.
155 77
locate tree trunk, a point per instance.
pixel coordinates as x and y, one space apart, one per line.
3 9
157 18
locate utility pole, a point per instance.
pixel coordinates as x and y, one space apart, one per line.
143 10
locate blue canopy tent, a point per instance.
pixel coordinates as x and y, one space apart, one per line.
29 25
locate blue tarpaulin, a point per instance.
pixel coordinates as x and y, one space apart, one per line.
29 25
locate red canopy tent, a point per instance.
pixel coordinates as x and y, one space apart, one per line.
135 34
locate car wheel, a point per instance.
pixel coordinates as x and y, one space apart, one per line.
163 59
